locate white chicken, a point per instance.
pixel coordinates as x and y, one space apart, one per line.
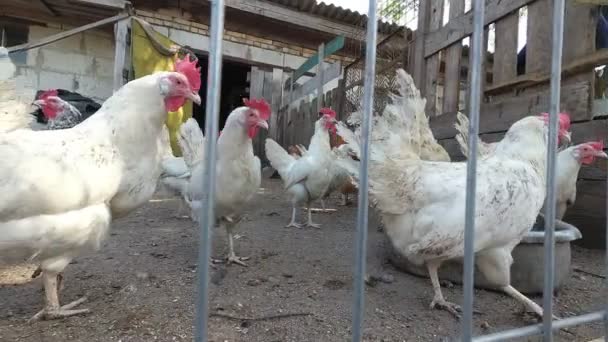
569 161
175 174
62 188
238 170
306 179
422 203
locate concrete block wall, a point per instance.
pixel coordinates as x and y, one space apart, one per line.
83 63
178 20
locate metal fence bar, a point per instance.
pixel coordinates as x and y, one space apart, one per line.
207 214
537 329
362 208
469 230
556 68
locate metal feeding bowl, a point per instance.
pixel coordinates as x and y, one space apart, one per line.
528 260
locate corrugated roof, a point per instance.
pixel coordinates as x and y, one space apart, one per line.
336 13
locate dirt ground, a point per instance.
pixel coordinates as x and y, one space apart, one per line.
141 286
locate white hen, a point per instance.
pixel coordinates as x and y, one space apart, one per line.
569 161
238 170
61 188
307 178
422 203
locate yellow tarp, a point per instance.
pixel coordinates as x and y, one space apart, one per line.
146 60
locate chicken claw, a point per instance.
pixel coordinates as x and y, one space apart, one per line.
293 224
313 225
442 304
233 259
61 312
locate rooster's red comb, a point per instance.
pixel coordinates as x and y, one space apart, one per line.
328 111
564 120
188 68
597 145
46 94
260 105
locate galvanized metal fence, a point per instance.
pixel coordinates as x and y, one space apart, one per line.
208 219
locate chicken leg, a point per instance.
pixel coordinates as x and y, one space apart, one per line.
310 223
232 258
438 301
495 264
52 308
293 222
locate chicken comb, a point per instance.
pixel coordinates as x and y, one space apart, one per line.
188 68
260 105
328 112
564 120
597 145
46 94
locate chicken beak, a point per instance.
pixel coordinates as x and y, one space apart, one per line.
263 124
567 137
195 98
601 154
38 103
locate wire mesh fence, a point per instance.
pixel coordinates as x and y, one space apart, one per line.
368 81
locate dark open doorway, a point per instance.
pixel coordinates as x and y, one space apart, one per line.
235 87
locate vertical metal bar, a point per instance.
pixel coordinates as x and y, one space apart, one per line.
207 214
362 207
469 229
606 261
320 75
556 70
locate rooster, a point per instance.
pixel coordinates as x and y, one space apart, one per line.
238 170
569 161
422 203
307 178
92 173
58 113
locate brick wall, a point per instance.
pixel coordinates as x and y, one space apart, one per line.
178 20
83 63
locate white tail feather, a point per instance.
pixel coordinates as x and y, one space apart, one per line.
192 142
279 158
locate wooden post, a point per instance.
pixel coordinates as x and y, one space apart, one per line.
432 63
121 29
453 55
419 66
277 78
320 77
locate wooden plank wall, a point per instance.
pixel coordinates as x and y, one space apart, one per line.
509 97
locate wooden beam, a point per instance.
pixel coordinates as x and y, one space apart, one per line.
462 26
581 65
48 8
329 74
66 34
332 47
420 36
498 116
121 29
309 21
115 4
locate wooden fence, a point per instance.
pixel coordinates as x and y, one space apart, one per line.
509 96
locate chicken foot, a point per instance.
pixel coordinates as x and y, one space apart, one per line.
232 258
527 302
310 223
52 309
439 301
293 222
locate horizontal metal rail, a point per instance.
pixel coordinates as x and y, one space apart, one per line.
537 329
